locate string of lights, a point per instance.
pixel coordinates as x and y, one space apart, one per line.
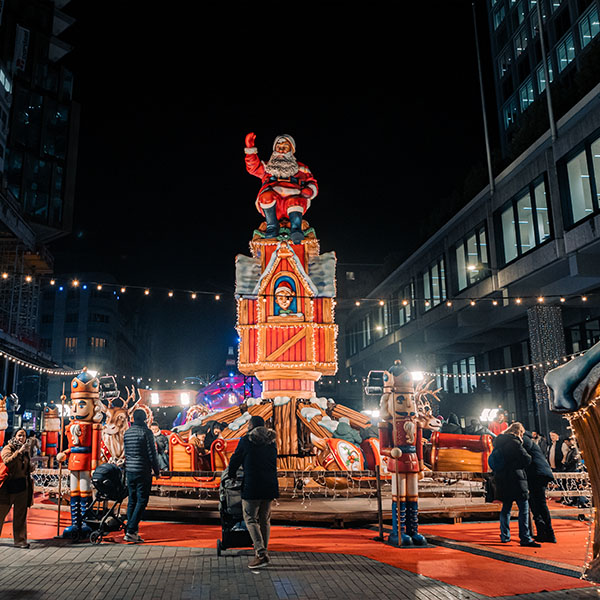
504 300
507 370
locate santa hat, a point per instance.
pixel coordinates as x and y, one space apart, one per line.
284 287
287 137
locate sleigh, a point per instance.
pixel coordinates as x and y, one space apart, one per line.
459 452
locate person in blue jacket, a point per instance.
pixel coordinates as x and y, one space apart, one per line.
256 452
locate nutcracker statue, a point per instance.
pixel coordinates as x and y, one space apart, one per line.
50 431
401 440
3 419
287 186
83 434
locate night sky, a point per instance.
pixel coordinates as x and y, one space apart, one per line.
384 108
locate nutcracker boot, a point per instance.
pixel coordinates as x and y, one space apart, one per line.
412 523
72 531
405 540
272 223
393 537
296 226
85 530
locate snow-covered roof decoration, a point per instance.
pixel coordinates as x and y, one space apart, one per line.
280 400
320 402
309 413
329 423
247 275
253 401
321 270
240 421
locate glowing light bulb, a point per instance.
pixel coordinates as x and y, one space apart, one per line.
563 299
357 303
28 278
5 275
75 283
99 287
194 296
584 298
217 297
518 300
170 294
448 303
147 292
540 299
495 302
381 303
123 290
472 303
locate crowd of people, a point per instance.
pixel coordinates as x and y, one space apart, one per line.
527 467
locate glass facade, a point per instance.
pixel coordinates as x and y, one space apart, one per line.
583 179
525 221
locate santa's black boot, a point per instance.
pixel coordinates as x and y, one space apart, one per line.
296 227
272 222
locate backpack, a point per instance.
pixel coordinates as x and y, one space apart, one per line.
496 460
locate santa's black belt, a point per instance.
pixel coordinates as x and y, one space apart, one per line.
274 179
408 449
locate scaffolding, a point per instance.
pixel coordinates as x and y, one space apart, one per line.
20 290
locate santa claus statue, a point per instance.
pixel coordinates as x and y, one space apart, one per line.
50 431
83 434
288 186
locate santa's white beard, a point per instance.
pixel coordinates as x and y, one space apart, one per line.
282 165
3 421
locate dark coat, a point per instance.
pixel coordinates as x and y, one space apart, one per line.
140 450
452 425
162 447
257 453
559 454
539 473
572 461
369 432
511 482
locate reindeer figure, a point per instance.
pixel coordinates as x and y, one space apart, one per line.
117 423
425 415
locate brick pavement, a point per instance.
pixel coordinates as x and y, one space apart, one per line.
58 570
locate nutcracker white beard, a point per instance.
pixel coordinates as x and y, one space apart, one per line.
282 165
3 421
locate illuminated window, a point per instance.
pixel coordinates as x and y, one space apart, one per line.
580 191
565 52
589 26
526 95
472 259
71 345
97 343
541 76
521 40
499 15
510 112
525 221
504 62
434 284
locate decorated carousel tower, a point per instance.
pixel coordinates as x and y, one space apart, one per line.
285 293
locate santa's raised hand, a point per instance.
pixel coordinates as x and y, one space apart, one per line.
250 137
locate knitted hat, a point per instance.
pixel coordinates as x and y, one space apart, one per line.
139 416
287 137
256 421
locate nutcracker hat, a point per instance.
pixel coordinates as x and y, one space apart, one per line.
51 411
402 379
289 138
85 385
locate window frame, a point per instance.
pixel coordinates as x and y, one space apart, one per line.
442 286
529 190
477 231
565 188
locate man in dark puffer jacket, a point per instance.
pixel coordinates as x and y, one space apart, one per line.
141 459
511 483
257 453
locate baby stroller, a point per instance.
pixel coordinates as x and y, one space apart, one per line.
110 487
234 531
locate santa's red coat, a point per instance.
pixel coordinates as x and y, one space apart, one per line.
286 187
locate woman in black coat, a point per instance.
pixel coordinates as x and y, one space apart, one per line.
539 475
511 482
257 453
